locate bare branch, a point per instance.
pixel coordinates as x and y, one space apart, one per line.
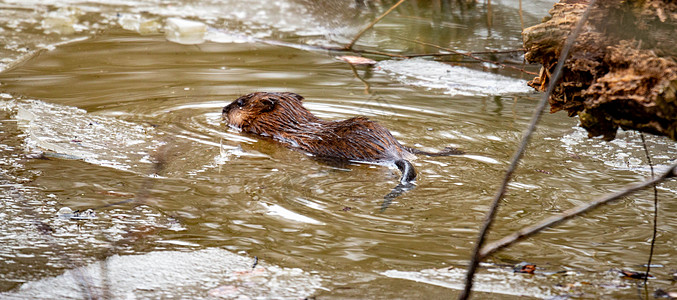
359 34
655 209
570 213
538 112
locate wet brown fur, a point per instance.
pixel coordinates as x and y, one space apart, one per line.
282 116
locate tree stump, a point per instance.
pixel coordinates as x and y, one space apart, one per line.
622 69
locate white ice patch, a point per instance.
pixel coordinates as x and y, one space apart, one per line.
228 37
453 80
71 133
208 273
626 152
498 282
62 21
139 24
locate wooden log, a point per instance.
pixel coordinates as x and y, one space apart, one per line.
622 71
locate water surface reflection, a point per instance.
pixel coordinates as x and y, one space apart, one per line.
221 188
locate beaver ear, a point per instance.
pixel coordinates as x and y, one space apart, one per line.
295 96
268 104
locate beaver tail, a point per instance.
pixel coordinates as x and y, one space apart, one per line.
407 169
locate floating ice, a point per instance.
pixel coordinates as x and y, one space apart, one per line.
174 274
453 79
71 133
139 24
626 152
484 282
184 31
227 37
61 21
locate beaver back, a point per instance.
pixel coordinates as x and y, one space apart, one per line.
354 139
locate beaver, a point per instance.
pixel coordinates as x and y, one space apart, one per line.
281 116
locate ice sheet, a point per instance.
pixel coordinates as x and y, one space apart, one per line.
453 80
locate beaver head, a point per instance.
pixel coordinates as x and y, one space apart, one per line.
267 113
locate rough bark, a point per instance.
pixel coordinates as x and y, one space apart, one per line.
622 71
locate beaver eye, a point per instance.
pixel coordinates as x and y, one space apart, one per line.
240 103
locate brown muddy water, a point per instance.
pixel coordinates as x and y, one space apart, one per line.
92 90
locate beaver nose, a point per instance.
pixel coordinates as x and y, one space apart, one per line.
224 113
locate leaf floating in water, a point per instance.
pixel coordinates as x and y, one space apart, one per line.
357 60
525 268
634 275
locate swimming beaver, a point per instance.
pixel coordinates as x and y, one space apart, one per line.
282 117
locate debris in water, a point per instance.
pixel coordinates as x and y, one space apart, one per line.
543 171
634 275
44 228
68 214
659 293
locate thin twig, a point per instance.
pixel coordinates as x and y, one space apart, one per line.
496 51
459 54
655 209
538 112
388 54
570 213
367 86
468 54
381 53
342 49
521 15
359 34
